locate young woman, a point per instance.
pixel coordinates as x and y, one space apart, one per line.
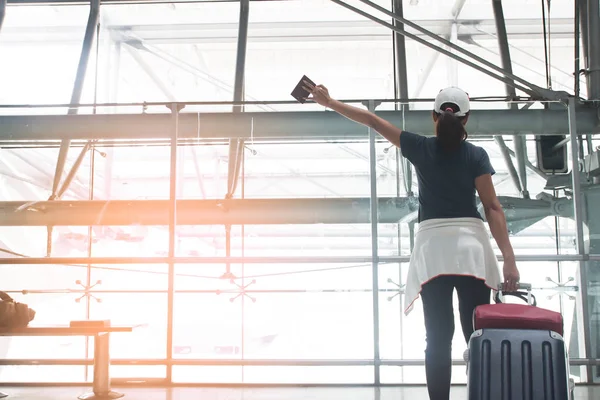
452 248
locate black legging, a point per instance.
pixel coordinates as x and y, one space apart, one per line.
439 325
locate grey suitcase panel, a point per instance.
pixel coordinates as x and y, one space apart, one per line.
511 364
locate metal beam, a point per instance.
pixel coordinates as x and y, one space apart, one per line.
583 23
242 211
520 143
314 125
578 214
236 146
506 77
374 222
172 223
400 52
2 12
577 48
86 49
401 89
529 165
509 164
202 212
593 15
71 175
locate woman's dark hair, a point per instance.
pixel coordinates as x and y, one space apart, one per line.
450 130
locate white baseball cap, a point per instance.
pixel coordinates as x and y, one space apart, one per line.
455 96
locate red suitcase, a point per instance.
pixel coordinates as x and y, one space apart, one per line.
517 316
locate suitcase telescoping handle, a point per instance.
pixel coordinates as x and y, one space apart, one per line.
523 295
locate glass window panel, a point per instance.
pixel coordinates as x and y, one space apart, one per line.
208 326
312 325
143 173
43 45
127 372
309 278
275 278
202 171
147 312
130 241
206 278
131 173
525 35
166 52
326 42
276 375
206 374
206 241
29 174
415 375
36 280
307 170
42 374
144 277
309 240
309 375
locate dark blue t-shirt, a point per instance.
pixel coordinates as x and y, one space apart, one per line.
446 179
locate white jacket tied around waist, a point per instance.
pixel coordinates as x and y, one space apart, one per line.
450 246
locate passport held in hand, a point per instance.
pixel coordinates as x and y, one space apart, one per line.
299 93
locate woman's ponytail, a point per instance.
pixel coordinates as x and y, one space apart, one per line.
450 130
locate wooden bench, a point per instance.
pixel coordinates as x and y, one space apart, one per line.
101 383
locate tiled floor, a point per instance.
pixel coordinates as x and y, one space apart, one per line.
314 393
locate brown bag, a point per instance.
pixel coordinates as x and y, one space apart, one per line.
14 314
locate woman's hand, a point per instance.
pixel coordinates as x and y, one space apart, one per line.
319 93
511 275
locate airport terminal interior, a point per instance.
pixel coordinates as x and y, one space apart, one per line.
184 228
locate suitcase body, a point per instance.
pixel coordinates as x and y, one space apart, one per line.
517 364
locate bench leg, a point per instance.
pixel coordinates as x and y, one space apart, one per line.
101 385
